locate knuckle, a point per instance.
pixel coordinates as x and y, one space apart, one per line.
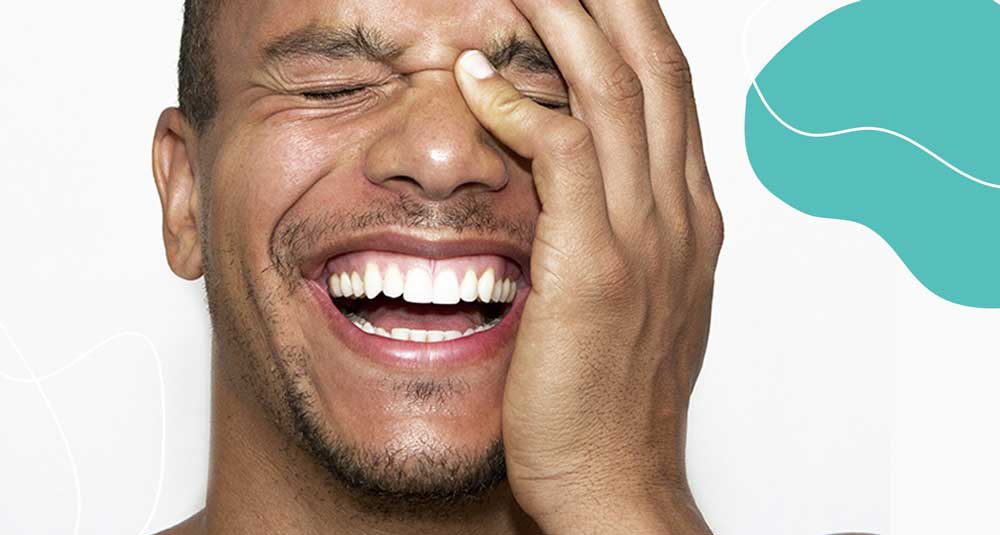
712 226
621 84
718 231
650 239
570 138
683 240
618 280
507 101
671 67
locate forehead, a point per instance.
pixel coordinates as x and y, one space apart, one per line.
427 31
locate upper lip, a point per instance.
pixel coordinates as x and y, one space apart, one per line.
425 245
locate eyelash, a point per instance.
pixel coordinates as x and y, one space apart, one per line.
335 95
550 105
341 94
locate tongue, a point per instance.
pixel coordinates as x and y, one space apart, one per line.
399 314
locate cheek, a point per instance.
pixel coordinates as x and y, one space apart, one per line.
259 177
275 167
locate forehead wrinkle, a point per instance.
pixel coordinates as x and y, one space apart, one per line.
506 49
357 41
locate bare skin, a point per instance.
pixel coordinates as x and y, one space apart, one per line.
607 199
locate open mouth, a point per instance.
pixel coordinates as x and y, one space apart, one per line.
415 299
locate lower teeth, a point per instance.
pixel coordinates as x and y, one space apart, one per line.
417 335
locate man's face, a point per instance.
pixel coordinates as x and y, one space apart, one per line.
343 148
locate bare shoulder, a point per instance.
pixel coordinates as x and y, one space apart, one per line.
192 526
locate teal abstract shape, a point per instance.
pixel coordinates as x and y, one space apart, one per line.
927 69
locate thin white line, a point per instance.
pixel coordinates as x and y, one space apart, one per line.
37 381
59 427
746 63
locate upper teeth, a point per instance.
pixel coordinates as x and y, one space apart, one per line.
417 285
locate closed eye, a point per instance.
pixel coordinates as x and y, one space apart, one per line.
549 104
334 95
351 91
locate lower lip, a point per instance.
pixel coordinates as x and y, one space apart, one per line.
486 345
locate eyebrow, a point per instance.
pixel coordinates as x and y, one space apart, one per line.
515 51
366 42
333 43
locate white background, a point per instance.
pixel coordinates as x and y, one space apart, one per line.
838 394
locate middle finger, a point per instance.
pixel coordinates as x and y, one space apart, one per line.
639 30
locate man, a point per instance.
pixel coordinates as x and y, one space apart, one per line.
459 259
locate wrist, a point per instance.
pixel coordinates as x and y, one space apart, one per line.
668 515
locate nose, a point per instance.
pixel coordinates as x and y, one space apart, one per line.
436 148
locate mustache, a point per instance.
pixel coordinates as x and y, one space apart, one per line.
293 240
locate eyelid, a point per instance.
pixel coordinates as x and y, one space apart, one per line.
321 92
552 105
334 93
548 101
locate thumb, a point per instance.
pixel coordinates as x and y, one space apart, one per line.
564 161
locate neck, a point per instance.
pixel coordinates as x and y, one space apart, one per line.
261 482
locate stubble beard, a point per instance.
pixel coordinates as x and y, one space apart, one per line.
390 482
395 482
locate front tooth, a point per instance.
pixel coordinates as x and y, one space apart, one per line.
486 283
452 335
382 332
470 287
435 336
373 281
334 284
393 282
345 285
446 290
357 285
419 288
416 335
401 334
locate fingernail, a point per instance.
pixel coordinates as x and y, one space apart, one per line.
476 64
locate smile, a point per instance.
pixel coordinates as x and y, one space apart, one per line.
413 308
422 300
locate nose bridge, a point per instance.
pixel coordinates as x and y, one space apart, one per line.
438 146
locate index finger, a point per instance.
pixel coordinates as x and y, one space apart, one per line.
608 97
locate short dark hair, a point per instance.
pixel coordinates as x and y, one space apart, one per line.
196 68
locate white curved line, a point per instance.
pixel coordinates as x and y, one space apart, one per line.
59 427
893 133
37 381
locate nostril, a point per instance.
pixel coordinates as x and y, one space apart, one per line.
403 184
435 162
473 187
410 187
413 188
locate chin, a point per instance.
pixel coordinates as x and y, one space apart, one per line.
408 343
396 442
